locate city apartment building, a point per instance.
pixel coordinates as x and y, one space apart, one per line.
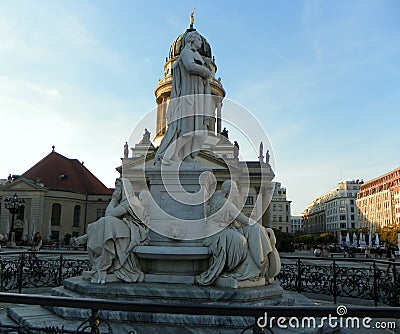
279 211
334 211
297 223
378 201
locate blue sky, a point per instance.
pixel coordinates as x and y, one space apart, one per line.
322 78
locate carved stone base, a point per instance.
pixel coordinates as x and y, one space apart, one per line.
229 282
172 264
110 278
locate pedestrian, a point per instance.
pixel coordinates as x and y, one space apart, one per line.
389 255
367 252
37 242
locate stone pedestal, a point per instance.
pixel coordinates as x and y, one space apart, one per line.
175 253
178 210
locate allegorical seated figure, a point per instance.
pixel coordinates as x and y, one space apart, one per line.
241 248
111 239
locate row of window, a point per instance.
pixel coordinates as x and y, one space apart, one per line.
279 218
56 215
332 219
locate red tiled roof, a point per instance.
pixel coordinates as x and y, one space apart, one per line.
61 173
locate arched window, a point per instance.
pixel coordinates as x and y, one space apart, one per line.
56 214
77 215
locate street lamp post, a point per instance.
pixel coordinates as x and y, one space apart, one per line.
13 204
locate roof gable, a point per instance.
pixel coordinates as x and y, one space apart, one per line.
61 173
21 184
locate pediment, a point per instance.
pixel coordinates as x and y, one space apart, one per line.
22 184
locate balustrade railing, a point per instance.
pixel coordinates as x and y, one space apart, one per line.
374 280
26 269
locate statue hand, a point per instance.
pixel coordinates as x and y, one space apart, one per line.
207 73
208 62
252 221
117 194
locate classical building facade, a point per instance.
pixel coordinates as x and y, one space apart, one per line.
334 211
279 211
61 197
378 201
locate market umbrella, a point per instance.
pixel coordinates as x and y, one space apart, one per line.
32 228
354 240
49 231
362 240
25 231
370 240
347 238
7 228
340 239
376 240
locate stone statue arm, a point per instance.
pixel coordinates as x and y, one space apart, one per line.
240 217
191 66
116 209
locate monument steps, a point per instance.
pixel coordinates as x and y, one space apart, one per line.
168 294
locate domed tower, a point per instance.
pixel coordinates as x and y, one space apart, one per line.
164 86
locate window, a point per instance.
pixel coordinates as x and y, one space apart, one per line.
249 200
342 217
352 201
280 218
77 216
56 214
100 213
21 213
342 209
352 217
55 235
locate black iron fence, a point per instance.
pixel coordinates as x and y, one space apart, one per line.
26 269
375 280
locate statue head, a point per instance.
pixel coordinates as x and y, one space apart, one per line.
229 187
194 39
126 188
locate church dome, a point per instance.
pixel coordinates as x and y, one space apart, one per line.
179 43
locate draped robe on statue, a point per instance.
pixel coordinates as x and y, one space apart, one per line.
112 238
238 252
189 108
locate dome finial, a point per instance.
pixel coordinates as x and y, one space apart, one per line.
192 18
